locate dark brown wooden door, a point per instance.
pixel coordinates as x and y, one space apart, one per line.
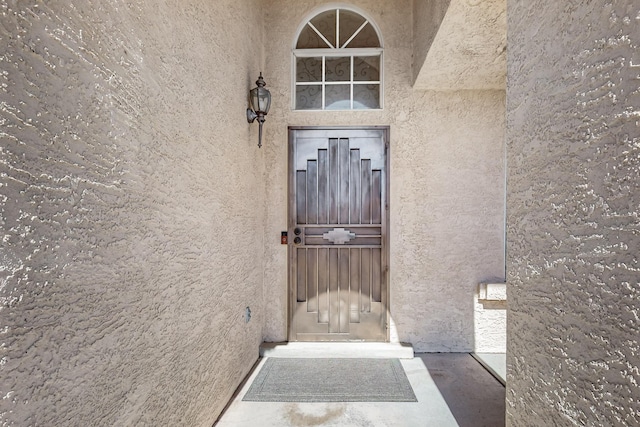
338 234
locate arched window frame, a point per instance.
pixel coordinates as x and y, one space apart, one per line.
337 52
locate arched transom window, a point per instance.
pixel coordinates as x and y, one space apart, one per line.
338 63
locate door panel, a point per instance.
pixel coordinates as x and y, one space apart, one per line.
338 223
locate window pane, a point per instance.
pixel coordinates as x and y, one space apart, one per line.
326 24
349 23
308 69
366 96
366 68
309 97
337 97
338 69
365 38
309 39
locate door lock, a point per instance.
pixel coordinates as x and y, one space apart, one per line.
297 240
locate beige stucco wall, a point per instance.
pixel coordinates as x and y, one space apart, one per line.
468 51
573 136
427 17
447 184
131 204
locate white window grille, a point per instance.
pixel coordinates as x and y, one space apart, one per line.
337 63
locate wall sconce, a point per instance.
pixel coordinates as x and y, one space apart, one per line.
260 99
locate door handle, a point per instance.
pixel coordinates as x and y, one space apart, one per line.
297 231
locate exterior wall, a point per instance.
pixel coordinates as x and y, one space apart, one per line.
469 49
573 205
491 322
427 17
131 208
447 184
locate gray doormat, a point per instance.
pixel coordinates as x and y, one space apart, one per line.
331 380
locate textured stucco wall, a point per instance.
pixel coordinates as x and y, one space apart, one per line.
131 210
573 142
447 184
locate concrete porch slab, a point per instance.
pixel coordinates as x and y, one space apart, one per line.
337 350
495 363
453 390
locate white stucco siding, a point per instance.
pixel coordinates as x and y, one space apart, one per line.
573 143
131 209
447 184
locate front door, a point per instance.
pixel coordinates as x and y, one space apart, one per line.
338 220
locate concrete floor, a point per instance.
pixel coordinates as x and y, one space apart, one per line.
496 363
453 389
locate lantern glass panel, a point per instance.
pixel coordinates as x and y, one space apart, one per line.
260 100
253 95
264 100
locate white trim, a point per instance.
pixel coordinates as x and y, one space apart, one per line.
351 85
340 82
364 51
381 80
324 68
338 28
355 110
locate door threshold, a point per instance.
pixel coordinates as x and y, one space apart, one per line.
374 350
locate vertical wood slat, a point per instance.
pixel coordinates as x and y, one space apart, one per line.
365 282
343 289
376 197
376 270
301 273
323 186
343 184
323 288
366 191
312 280
354 187
312 192
354 267
333 181
334 302
301 196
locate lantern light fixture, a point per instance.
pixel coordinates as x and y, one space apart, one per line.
260 99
